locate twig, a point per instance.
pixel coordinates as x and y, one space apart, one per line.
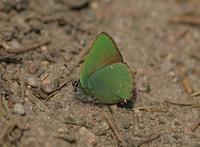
28 48
195 125
187 86
112 125
37 102
59 88
159 108
76 123
184 80
183 104
67 137
149 139
194 56
195 94
21 79
191 20
181 33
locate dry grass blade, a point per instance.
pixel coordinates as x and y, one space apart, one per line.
21 79
37 102
195 125
194 104
182 72
195 94
186 85
112 125
159 108
28 48
191 20
148 139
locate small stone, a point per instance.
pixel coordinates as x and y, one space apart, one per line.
78 4
50 87
44 48
36 25
60 130
126 124
19 109
113 108
32 80
33 68
15 88
144 87
101 128
87 137
14 44
68 137
67 57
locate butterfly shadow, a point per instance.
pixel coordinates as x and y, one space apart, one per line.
129 103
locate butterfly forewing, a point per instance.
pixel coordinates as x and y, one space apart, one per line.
111 84
102 53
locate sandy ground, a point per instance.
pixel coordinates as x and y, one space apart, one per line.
41 43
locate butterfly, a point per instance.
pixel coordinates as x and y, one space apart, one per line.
104 77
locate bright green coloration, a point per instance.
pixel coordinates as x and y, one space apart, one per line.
103 74
111 84
102 53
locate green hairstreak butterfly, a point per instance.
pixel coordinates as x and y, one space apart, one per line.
104 77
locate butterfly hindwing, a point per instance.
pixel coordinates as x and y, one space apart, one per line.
111 84
102 53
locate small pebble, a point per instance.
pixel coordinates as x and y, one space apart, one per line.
33 68
32 80
68 137
144 87
36 25
126 124
87 137
67 57
101 128
113 108
60 130
50 87
19 109
15 44
44 48
78 4
15 88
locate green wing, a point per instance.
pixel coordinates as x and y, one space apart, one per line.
111 84
102 53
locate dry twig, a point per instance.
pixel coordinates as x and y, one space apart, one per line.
195 125
148 139
191 20
112 125
194 104
37 102
159 108
197 93
28 48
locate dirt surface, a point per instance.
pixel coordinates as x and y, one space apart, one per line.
41 44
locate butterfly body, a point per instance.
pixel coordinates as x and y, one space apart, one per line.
104 78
